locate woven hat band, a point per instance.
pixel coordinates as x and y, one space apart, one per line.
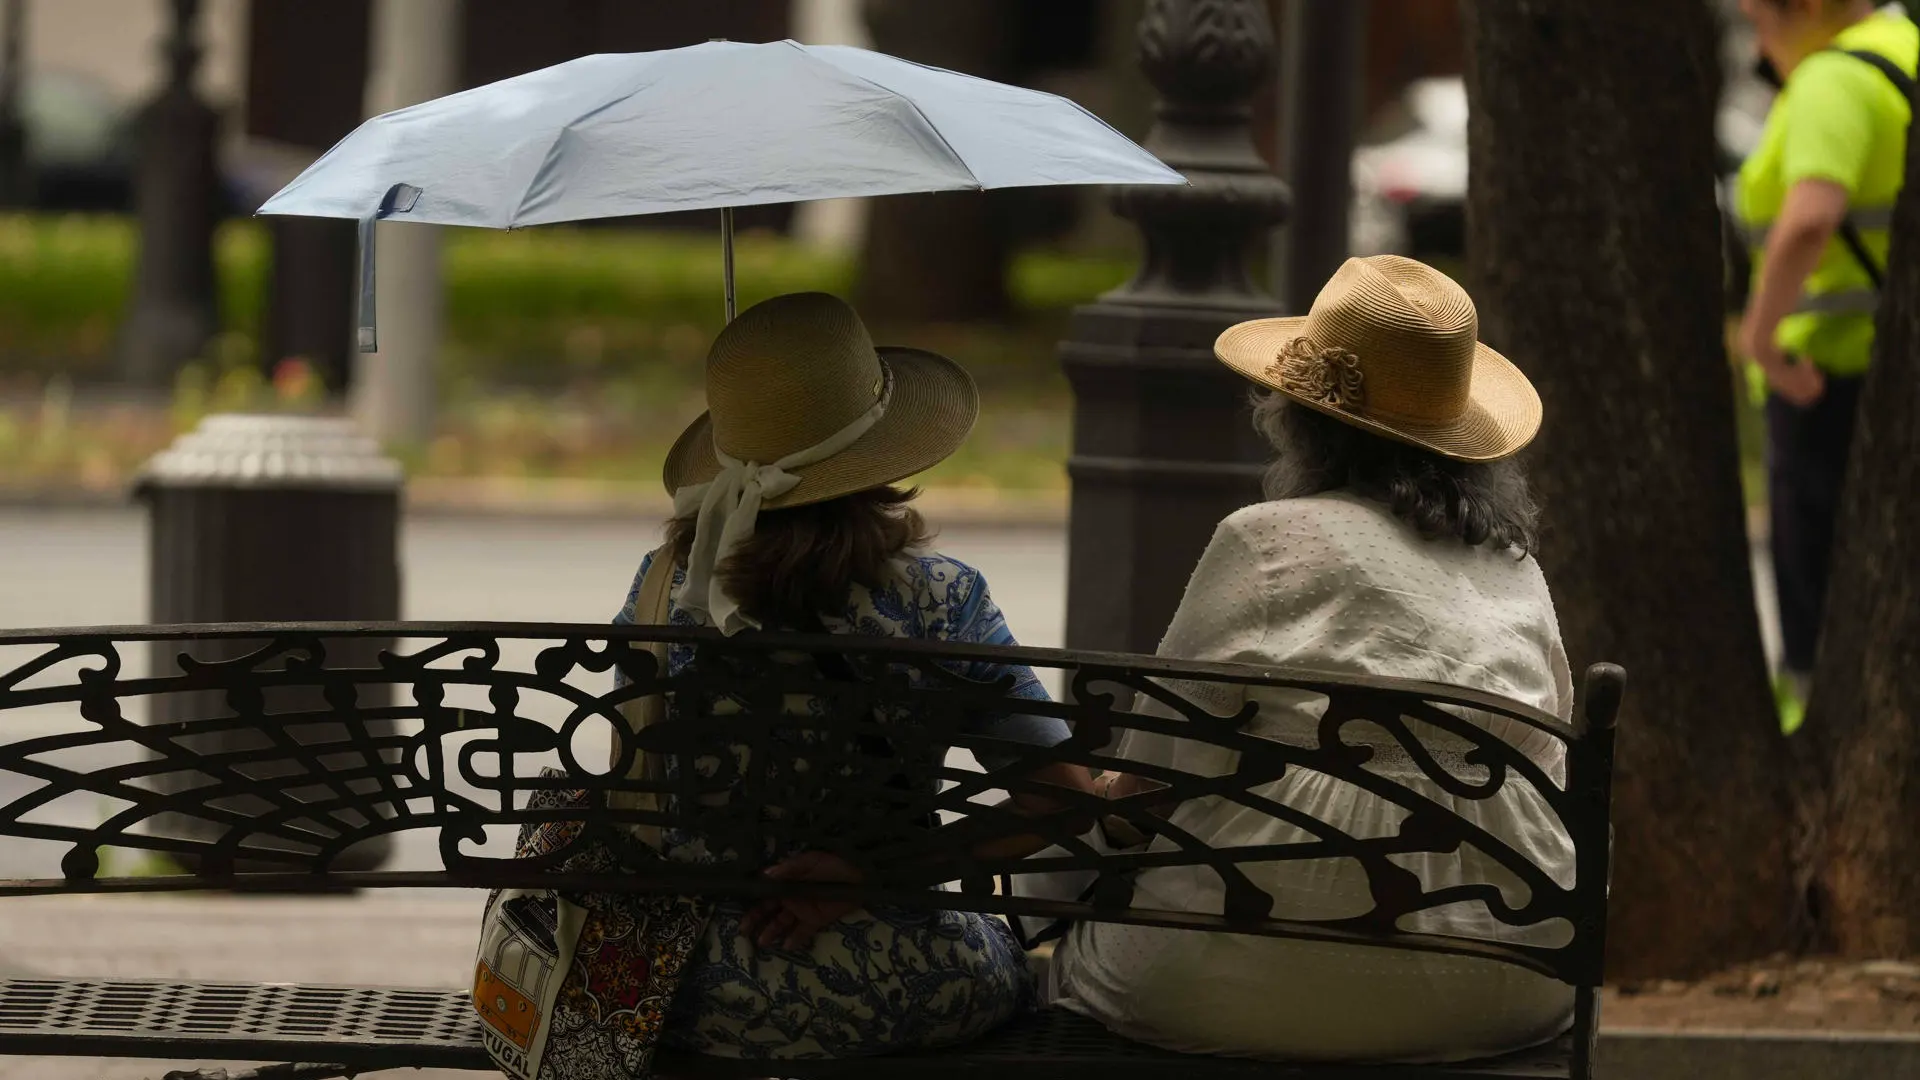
789 373
1415 341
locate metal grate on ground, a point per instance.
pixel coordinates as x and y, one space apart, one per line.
237 1021
389 1028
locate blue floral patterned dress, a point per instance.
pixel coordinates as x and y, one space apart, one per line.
877 980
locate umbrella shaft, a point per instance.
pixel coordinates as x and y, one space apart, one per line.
726 255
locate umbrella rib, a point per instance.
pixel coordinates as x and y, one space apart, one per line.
1062 98
547 157
911 104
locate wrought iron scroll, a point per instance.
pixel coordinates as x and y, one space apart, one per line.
452 730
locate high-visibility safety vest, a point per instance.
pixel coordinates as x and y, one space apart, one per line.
1843 119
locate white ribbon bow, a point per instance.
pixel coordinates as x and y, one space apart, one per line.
727 507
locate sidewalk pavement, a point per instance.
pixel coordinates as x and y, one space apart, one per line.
425 938
564 499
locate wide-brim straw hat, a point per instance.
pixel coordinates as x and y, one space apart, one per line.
1392 346
792 371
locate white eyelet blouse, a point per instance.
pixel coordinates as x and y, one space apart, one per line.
1336 583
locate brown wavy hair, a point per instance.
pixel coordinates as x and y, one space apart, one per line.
1475 503
802 560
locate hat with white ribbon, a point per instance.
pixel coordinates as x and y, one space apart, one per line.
802 409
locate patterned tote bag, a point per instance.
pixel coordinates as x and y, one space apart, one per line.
576 985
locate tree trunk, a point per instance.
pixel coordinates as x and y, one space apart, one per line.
1597 263
1864 719
938 257
306 84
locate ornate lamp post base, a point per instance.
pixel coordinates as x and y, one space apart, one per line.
1161 447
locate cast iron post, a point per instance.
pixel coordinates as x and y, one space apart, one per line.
1161 446
176 197
15 182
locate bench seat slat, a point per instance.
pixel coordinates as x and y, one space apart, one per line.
379 1027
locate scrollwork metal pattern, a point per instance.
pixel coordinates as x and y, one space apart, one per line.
275 788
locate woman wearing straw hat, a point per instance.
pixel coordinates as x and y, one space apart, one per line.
786 516
1396 540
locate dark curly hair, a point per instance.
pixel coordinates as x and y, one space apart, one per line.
1474 503
801 561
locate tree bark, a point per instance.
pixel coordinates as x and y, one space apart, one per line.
306 81
1864 719
1596 258
938 257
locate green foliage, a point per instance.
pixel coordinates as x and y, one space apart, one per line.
131 863
64 282
62 285
541 308
230 380
570 352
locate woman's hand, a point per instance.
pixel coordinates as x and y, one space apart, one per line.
793 921
1119 785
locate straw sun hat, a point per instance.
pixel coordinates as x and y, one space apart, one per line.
1392 346
791 372
802 408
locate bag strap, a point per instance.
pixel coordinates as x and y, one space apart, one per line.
1849 232
1895 74
1857 247
651 607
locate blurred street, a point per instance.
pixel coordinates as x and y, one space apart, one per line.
88 567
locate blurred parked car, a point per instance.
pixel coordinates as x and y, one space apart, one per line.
80 147
1410 174
1410 170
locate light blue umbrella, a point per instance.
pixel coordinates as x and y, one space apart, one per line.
707 127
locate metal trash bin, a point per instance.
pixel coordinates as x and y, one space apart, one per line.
271 518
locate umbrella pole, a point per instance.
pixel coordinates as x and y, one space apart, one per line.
726 254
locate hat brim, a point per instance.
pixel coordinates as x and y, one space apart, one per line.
930 414
1503 412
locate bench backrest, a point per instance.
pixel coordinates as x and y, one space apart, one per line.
276 756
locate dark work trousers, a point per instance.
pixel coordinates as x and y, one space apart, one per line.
1806 469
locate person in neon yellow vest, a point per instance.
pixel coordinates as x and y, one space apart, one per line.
1816 197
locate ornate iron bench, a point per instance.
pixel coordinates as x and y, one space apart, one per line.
276 757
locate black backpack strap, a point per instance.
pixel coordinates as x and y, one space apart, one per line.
1895 74
1849 232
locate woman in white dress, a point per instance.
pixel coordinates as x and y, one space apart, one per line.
1397 540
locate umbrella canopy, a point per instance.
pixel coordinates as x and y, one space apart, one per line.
707 127
711 126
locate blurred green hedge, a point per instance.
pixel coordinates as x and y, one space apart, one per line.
536 307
